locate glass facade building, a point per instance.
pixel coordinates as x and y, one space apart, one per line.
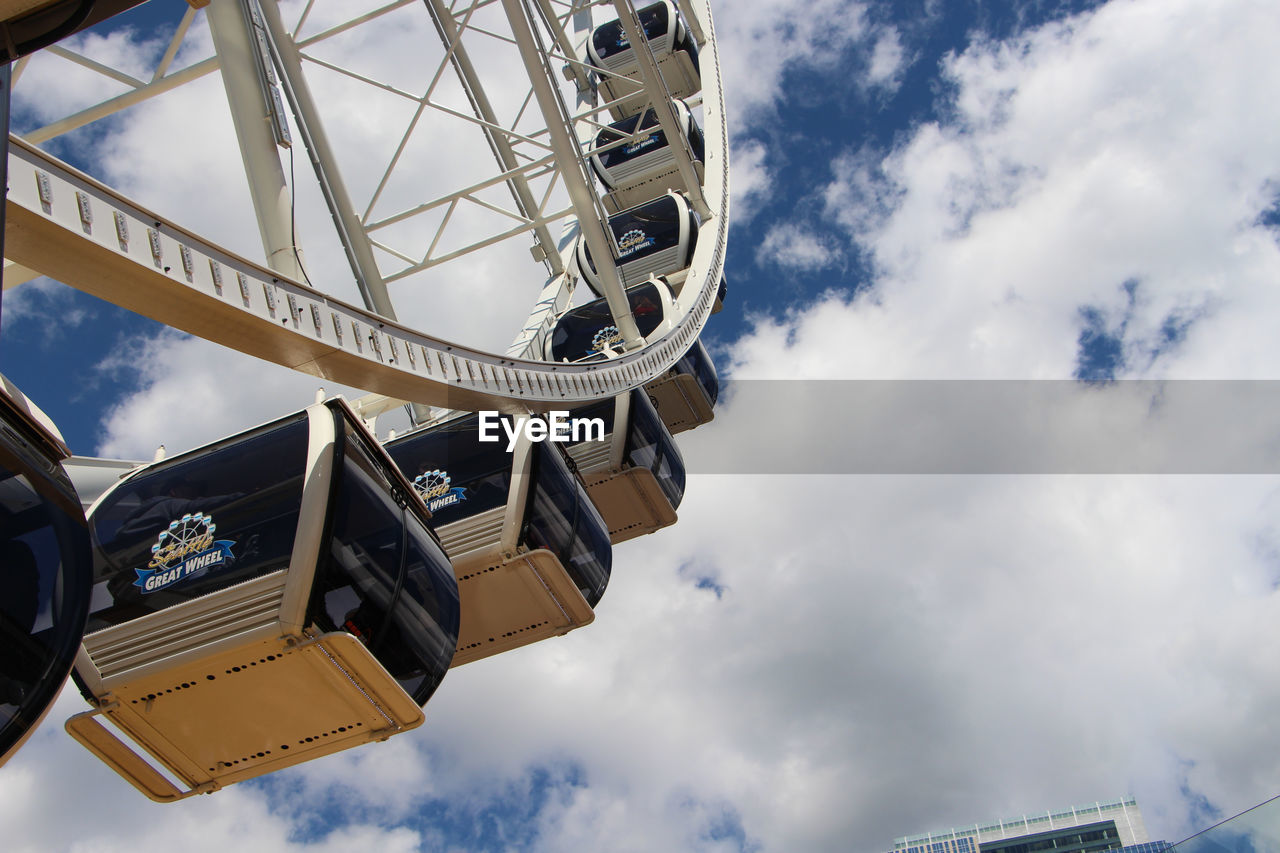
1119 823
1090 838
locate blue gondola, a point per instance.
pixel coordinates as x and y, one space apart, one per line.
656 238
46 566
530 552
673 47
265 600
635 161
634 473
588 332
685 396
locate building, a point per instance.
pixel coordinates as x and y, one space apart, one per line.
1093 828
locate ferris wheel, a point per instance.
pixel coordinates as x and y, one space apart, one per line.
570 155
520 89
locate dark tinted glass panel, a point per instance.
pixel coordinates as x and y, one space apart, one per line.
456 474
45 567
384 578
606 411
647 228
610 38
646 143
698 364
636 147
696 140
650 445
561 518
685 42
199 523
585 331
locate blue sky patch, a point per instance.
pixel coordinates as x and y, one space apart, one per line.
1270 218
505 816
1100 350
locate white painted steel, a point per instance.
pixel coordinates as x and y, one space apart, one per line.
65 225
354 240
502 149
577 177
267 185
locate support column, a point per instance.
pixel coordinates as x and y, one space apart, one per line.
507 161
568 157
268 188
350 230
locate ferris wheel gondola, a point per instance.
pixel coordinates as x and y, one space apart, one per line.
686 395
266 600
636 162
673 48
45 566
634 472
655 238
588 333
529 548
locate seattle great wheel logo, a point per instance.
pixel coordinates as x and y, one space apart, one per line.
607 338
433 487
633 241
186 549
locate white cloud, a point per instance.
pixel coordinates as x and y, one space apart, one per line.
1078 159
751 180
1018 635
194 392
794 248
45 302
887 60
760 42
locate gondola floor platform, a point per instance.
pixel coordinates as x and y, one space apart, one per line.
516 601
311 698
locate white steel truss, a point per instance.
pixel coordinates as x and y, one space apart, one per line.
525 191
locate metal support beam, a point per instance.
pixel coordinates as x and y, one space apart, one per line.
661 101
237 56
691 21
576 68
75 230
373 290
171 52
355 240
93 65
585 202
507 162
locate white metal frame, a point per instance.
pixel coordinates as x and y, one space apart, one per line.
371 352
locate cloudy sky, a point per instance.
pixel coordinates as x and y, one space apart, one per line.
972 190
